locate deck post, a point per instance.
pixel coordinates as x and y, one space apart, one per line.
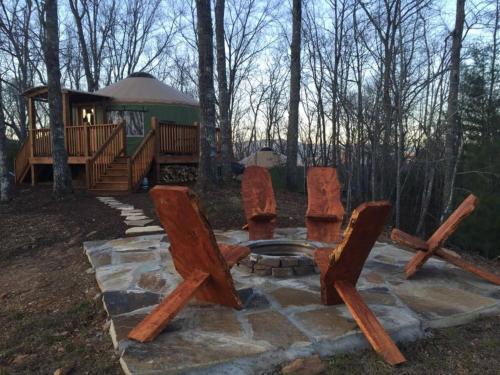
156 126
32 170
66 117
86 134
129 175
31 123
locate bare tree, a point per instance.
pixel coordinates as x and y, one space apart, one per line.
225 125
452 131
62 173
94 21
206 166
4 172
293 113
16 25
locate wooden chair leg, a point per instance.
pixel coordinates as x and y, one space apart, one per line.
158 319
323 231
261 229
369 325
417 262
492 278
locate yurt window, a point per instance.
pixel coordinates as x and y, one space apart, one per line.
134 121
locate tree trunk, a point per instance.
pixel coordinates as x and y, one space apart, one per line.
293 120
225 125
62 173
92 83
206 166
452 131
4 172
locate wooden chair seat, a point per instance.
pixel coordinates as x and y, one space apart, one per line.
325 217
204 266
340 269
426 249
259 203
325 212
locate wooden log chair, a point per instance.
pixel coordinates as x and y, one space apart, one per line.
324 208
426 249
259 203
204 265
340 269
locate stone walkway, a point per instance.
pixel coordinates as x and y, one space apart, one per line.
283 318
134 218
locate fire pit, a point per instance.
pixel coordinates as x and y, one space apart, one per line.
279 258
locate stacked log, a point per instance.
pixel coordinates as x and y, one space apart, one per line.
176 174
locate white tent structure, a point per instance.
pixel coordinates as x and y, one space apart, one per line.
266 158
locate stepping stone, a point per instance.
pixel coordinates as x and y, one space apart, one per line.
138 223
124 208
143 230
136 217
132 213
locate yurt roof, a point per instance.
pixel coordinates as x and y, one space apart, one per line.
267 158
143 88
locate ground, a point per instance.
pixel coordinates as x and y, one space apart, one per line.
50 307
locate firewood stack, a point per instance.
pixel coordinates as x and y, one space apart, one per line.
175 174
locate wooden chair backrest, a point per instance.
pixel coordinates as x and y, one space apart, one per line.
258 194
348 258
451 223
323 193
192 243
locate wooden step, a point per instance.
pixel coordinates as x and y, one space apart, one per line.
121 160
111 185
119 172
113 178
118 166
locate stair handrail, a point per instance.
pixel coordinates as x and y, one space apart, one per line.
22 159
105 155
140 162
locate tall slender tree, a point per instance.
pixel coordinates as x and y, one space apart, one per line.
62 174
452 131
206 166
293 112
225 125
4 173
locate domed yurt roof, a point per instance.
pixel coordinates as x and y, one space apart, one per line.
266 158
143 88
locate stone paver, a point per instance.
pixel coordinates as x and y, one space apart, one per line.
143 230
283 319
133 217
138 223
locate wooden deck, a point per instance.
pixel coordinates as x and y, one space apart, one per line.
102 150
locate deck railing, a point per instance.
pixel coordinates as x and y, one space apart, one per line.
42 142
141 160
179 139
79 140
98 135
113 147
22 160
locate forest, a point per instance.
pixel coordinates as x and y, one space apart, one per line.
401 96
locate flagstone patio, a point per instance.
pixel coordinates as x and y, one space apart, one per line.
283 318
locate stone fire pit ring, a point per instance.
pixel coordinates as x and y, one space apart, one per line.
279 258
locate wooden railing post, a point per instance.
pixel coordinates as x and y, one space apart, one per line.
86 136
129 168
157 128
87 173
124 138
31 123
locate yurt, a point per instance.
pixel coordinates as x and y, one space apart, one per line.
139 97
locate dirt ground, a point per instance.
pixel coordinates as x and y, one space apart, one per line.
51 313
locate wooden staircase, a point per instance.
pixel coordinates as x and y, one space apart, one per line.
115 179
